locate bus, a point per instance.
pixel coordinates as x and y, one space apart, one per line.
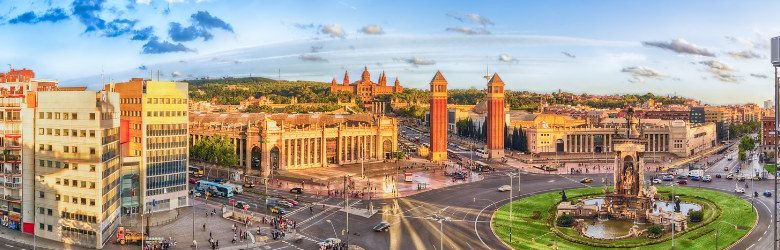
196 171
214 188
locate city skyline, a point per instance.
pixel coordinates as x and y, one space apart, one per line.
713 51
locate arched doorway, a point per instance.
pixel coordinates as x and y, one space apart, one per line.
274 158
387 148
257 157
559 146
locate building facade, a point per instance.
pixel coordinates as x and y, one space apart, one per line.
13 85
496 125
768 136
677 137
72 144
366 89
154 122
298 141
439 119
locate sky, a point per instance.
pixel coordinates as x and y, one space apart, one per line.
715 51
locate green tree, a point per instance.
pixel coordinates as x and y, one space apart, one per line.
215 150
564 220
254 108
695 216
655 230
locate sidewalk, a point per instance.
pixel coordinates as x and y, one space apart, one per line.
39 243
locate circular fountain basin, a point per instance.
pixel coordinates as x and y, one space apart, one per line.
611 229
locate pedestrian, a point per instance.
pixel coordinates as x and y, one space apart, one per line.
311 210
210 234
217 243
204 227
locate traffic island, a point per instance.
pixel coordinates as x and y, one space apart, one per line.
725 220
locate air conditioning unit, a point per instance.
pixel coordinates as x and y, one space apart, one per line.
775 51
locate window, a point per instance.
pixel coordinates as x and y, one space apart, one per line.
40 115
92 185
92 151
92 202
40 210
75 200
40 225
92 116
74 166
83 184
65 116
48 131
48 227
48 115
66 182
57 116
57 132
57 197
40 194
75 183
92 133
91 168
48 212
57 181
66 149
66 132
73 115
41 131
83 201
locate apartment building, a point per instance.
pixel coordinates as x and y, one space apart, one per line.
155 147
71 140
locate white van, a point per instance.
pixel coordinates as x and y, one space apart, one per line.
236 188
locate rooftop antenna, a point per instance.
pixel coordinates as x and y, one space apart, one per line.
102 80
158 75
279 77
487 72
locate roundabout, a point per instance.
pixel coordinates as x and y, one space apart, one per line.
725 220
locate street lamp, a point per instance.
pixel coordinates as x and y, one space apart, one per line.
775 41
334 228
440 220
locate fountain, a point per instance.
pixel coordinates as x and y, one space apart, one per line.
629 208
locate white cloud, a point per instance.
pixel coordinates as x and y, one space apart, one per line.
416 61
745 54
681 46
469 31
721 71
333 30
507 58
372 29
640 74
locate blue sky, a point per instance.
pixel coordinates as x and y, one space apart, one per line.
711 50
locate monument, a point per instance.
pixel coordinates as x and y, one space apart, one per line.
629 200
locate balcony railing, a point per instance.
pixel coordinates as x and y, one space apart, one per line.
13 185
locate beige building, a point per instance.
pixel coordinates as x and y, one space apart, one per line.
299 141
73 142
155 150
557 134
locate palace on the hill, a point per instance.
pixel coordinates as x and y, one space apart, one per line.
365 88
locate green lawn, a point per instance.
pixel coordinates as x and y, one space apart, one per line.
533 217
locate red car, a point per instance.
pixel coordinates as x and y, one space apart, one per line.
193 181
682 182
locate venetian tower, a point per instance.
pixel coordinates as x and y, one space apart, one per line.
495 117
438 118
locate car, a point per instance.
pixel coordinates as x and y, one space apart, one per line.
291 201
757 178
278 210
718 176
459 176
767 193
240 204
382 226
739 190
695 178
725 169
731 159
682 177
329 243
682 182
741 178
284 204
729 176
504 188
656 181
586 180
667 177
248 185
706 178
296 190
218 180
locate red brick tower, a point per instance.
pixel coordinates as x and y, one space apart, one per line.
495 117
438 119
346 78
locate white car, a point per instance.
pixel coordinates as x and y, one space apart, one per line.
656 181
329 242
504 188
739 190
